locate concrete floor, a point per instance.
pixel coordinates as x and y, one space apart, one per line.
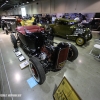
83 74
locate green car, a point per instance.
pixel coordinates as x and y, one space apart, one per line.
71 30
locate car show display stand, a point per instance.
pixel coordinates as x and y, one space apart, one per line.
65 91
18 53
24 64
21 58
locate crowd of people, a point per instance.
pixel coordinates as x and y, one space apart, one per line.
50 18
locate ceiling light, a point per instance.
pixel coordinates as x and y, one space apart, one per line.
6 0
23 3
3 5
27 2
33 0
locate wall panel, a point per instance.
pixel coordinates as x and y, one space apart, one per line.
19 10
45 6
36 8
28 9
61 6
52 6
89 6
71 6
3 13
15 11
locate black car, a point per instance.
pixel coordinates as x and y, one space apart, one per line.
95 22
43 55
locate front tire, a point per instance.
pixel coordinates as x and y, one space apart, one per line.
14 41
37 70
80 41
73 53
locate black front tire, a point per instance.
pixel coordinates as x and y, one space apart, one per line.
73 53
37 70
14 41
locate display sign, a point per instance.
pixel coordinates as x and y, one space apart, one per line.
65 91
21 58
18 53
24 64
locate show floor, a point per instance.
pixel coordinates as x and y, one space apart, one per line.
83 74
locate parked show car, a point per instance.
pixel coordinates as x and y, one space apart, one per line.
43 55
29 21
8 24
71 30
95 24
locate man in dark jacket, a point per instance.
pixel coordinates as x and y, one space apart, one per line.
3 24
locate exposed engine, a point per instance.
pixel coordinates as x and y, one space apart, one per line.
46 52
43 56
79 31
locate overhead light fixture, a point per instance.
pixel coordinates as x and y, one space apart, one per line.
23 3
27 2
6 0
3 5
33 0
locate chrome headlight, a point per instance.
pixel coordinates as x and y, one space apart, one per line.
84 30
77 29
89 34
86 36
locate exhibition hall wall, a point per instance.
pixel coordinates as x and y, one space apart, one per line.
58 6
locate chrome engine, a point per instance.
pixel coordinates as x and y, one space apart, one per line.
43 56
79 31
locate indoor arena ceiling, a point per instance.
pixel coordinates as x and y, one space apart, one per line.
8 4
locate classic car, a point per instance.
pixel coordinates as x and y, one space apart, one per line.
8 24
28 22
71 30
43 55
95 22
